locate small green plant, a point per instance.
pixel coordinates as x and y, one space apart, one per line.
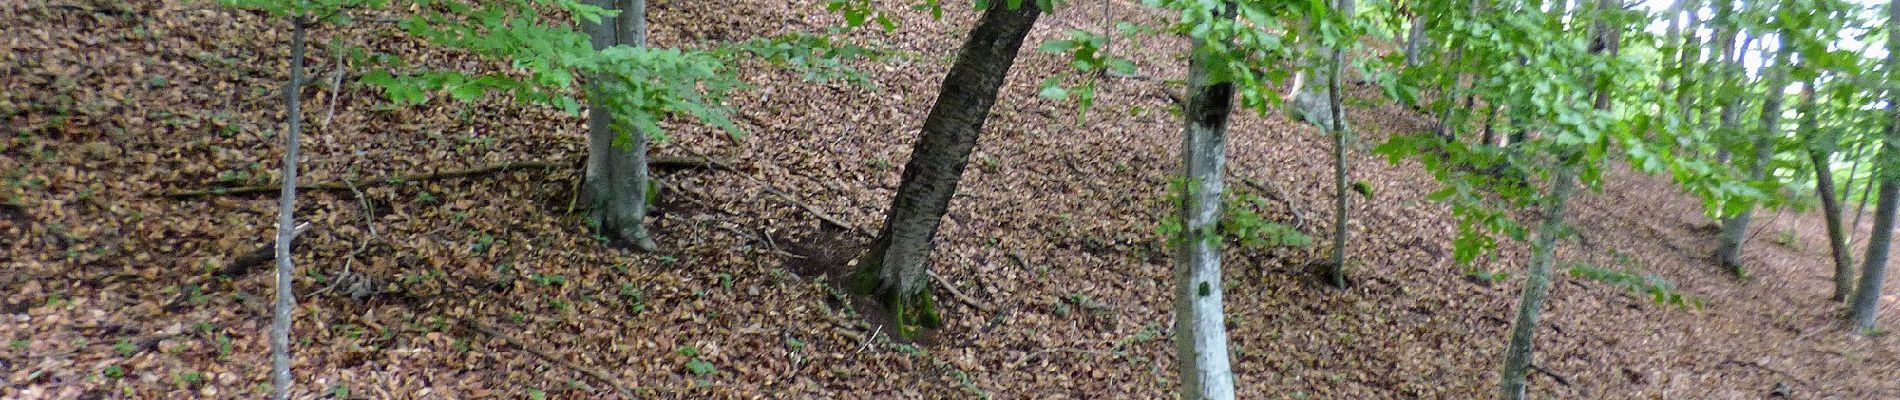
700 367
188 378
18 344
1657 287
125 348
1787 238
113 372
340 391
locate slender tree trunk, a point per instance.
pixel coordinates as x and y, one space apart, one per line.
1490 138
286 220
1819 153
1867 298
1517 357
1415 40
1454 80
1336 272
1729 74
1735 229
1873 175
1686 81
616 181
1200 330
895 267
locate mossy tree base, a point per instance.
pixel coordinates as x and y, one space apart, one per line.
911 313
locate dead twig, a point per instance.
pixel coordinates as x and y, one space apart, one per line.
945 283
1553 375
1299 218
603 377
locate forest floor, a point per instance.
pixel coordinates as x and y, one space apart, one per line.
489 285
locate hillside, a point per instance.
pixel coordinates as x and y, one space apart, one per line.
489 285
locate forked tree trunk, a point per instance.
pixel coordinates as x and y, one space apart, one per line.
286 220
1735 229
1820 151
1200 330
616 181
1867 298
895 267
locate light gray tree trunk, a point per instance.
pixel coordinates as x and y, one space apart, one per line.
286 219
1873 272
1335 273
1200 330
1415 40
616 180
1517 357
895 267
1735 229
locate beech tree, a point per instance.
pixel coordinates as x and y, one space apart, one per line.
1874 267
895 269
615 183
1735 228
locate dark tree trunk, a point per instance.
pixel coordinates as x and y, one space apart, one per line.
895 269
1819 152
615 183
1200 330
1867 298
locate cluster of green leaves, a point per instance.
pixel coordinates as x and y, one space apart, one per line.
641 86
1247 227
1243 42
1090 63
1239 222
1655 286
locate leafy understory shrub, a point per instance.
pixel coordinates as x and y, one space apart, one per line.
1658 288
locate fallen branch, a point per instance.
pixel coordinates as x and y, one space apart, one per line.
1299 218
1553 376
603 377
656 162
245 263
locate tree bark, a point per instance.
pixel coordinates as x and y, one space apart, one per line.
1415 40
1873 271
1517 357
1735 229
616 180
895 268
286 219
1200 330
1336 271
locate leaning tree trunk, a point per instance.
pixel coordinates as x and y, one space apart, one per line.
1200 330
1336 272
895 267
1517 357
1867 299
286 220
1735 229
1820 150
616 181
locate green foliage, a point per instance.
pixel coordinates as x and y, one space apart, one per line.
1242 224
640 86
1655 286
1090 63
